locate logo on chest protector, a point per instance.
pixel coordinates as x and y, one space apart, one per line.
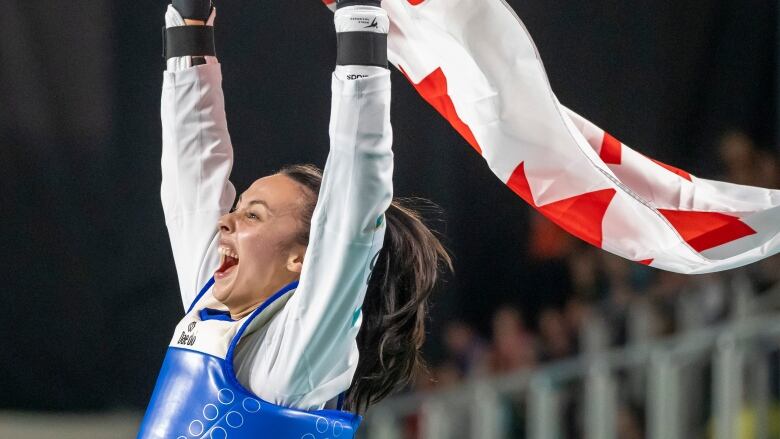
186 338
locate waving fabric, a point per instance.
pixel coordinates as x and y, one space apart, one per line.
474 61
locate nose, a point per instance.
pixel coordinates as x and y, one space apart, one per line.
226 223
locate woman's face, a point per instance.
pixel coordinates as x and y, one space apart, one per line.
259 253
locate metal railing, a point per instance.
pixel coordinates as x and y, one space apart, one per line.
696 384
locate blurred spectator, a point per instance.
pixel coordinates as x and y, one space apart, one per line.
514 347
629 422
663 296
738 154
768 170
765 274
465 349
447 375
617 271
706 301
584 273
577 312
556 339
747 164
619 296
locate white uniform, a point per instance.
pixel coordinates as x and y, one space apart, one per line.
306 354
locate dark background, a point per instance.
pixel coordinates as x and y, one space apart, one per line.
89 293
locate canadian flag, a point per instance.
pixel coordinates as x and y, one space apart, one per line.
474 61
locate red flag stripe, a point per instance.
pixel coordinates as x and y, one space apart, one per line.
706 230
582 215
671 168
434 90
611 150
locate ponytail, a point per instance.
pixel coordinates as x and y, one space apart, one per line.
396 303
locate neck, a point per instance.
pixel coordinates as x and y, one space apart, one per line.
239 311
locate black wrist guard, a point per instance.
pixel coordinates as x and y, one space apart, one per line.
361 49
193 9
344 3
188 41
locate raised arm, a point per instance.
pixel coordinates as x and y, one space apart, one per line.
197 155
312 355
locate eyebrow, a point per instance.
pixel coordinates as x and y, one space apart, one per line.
253 202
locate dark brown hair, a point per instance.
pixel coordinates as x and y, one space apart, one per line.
396 303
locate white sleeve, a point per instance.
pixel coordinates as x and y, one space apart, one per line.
309 354
197 158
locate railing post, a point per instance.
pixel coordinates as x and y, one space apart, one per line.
383 426
760 392
435 420
543 418
600 402
743 297
663 398
640 324
488 421
727 387
595 336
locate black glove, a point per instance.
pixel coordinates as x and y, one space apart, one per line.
343 3
193 9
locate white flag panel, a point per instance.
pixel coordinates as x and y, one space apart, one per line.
474 61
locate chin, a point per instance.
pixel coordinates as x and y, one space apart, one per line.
221 293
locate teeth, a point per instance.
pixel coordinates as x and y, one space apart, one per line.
227 252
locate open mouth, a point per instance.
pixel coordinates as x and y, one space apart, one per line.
228 262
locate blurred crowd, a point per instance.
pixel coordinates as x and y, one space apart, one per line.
610 302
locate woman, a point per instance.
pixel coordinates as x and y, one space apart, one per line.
291 316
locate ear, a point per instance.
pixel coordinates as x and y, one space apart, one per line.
295 259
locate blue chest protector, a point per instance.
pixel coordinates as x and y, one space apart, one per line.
197 395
